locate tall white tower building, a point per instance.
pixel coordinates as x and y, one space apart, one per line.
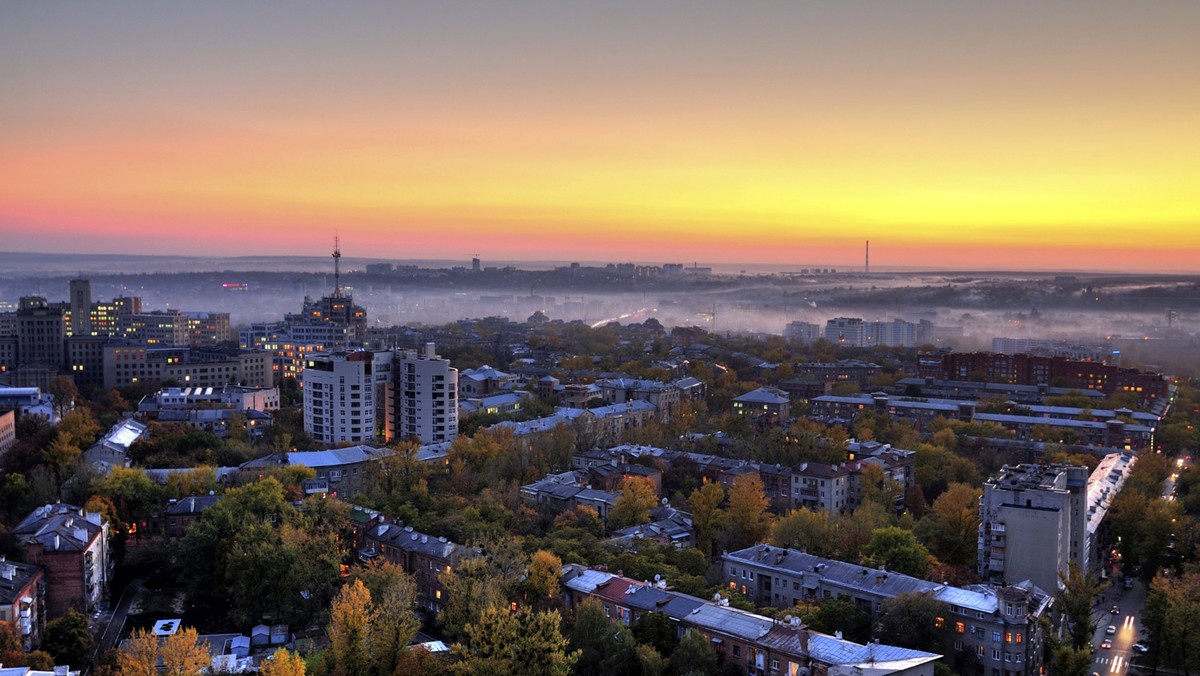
424 396
339 397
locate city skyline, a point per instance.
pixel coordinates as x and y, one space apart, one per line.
986 137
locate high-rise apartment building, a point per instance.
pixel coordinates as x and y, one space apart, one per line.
424 399
81 307
339 397
1033 521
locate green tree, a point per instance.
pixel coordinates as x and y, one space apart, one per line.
508 644
69 640
898 550
1070 661
693 656
912 620
656 629
1075 600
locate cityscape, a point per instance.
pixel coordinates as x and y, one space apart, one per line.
820 339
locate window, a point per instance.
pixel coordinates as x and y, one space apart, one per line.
996 636
1017 637
959 627
958 645
996 654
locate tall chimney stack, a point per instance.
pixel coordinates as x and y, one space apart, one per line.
867 267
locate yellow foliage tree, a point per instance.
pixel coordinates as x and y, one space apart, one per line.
184 653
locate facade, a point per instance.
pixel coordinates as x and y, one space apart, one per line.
23 600
425 557
765 401
424 397
230 396
802 332
41 329
339 397
8 431
665 396
80 291
482 382
127 364
1032 522
1027 369
72 546
987 630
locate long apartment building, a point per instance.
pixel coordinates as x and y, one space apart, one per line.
742 640
424 397
985 630
128 363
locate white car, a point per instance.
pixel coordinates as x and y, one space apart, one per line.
1112 629
1140 648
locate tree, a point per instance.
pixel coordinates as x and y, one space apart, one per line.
693 656
1070 661
747 512
183 653
64 392
656 629
806 530
1076 600
394 620
633 507
898 550
69 640
139 655
912 620
349 629
541 580
283 662
707 516
590 637
508 644
951 528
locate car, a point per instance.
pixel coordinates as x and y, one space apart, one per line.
1106 645
1138 647
1115 610
1112 629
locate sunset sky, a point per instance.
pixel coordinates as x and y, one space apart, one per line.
993 135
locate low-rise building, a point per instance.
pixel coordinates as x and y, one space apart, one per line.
72 546
984 628
765 401
425 557
23 600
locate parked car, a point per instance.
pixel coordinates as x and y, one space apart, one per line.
1140 648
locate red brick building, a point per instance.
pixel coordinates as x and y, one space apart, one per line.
1027 369
72 546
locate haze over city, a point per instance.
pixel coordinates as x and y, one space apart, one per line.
1014 135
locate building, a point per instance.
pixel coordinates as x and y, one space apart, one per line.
424 397
41 329
986 629
743 641
345 469
339 397
423 556
23 600
1027 369
80 292
72 546
126 364
112 450
236 397
765 401
802 332
665 397
8 431
1032 522
1034 519
482 382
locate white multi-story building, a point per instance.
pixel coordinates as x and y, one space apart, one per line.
339 397
424 400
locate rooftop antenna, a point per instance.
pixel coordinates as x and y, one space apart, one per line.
337 271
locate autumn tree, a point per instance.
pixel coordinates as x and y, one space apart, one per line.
806 530
707 515
283 662
349 629
952 526
633 506
748 521
139 655
541 578
184 653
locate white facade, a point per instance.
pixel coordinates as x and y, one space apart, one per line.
339 397
424 397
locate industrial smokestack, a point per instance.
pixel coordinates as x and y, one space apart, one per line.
867 266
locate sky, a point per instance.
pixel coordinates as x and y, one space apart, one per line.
959 135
